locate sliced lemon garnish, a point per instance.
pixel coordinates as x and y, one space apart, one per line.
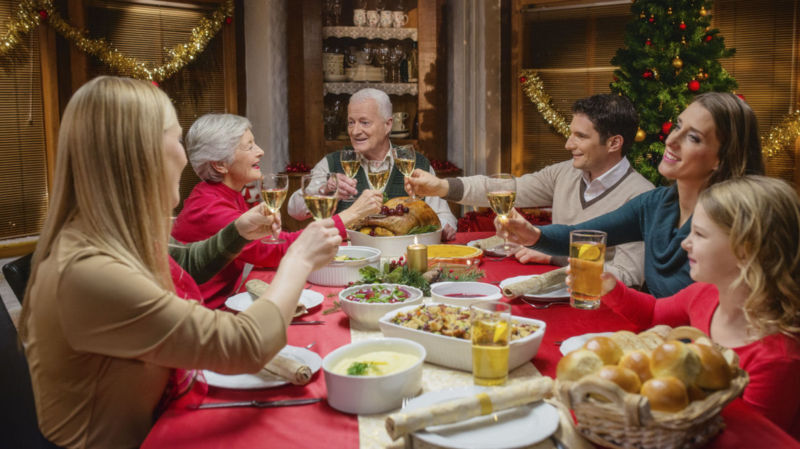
500 332
588 252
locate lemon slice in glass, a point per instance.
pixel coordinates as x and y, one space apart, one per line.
500 332
588 252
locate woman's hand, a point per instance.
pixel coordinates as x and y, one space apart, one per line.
608 279
368 203
515 228
423 183
316 246
527 255
258 223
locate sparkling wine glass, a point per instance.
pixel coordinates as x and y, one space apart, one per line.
501 191
378 173
320 192
273 191
350 164
404 159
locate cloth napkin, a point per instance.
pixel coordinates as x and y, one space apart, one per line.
490 242
537 284
290 369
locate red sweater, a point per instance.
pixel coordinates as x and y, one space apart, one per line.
773 362
209 208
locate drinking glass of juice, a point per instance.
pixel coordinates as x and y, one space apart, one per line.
587 252
490 323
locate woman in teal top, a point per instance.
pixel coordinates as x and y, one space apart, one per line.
715 138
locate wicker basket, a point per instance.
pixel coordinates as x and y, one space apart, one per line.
627 421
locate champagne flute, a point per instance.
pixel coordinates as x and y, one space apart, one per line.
378 174
501 191
405 158
320 194
273 191
350 164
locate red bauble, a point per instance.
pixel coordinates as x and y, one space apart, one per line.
648 42
682 26
228 20
652 19
708 38
523 79
666 127
661 137
43 14
693 85
648 74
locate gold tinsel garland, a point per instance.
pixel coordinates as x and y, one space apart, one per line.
30 13
781 136
534 88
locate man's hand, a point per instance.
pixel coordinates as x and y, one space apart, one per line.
258 223
368 203
347 187
527 255
515 228
423 183
448 233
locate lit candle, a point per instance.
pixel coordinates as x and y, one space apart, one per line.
417 257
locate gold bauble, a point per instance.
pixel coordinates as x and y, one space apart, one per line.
669 11
640 135
703 11
677 62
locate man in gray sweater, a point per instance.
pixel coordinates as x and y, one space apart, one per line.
596 180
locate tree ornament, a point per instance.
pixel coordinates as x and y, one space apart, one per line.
693 85
683 40
640 135
661 137
648 42
677 62
669 11
703 11
523 79
642 15
655 74
666 127
708 38
648 74
682 26
228 20
652 18
43 14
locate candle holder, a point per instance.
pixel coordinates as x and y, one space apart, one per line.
417 257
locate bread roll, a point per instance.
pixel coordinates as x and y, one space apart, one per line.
666 394
714 371
662 330
577 364
605 347
686 333
674 358
625 378
627 341
650 340
639 362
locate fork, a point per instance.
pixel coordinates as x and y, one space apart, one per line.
544 305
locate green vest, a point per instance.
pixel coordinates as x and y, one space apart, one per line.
394 187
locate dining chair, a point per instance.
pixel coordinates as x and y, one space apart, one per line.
19 427
17 273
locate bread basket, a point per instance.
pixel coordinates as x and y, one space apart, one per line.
627 421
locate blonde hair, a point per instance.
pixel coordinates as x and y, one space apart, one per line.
762 217
110 172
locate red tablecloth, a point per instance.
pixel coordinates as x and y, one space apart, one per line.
318 424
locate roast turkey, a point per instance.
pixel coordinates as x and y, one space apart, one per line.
418 214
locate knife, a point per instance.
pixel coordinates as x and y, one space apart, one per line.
307 322
259 404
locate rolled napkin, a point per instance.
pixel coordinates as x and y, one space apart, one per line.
257 287
537 284
490 401
490 242
290 369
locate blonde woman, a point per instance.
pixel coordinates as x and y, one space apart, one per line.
102 325
742 252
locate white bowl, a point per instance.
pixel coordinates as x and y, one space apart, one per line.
394 247
341 273
367 395
469 292
455 352
365 315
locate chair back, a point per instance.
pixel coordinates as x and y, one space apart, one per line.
17 273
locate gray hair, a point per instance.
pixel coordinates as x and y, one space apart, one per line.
380 97
213 138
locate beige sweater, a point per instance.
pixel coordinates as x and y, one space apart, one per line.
560 186
103 337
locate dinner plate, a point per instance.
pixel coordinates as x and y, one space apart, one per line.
507 429
576 342
242 301
264 379
558 293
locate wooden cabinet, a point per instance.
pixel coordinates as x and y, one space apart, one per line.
423 99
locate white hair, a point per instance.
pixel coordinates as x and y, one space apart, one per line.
213 138
380 97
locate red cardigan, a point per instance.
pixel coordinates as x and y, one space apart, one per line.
773 362
209 208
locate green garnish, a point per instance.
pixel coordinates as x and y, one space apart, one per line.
361 368
397 275
423 229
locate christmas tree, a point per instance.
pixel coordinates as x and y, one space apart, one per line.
672 55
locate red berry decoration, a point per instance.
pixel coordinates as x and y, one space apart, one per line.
666 127
43 14
693 85
652 19
228 20
523 79
708 38
648 74
661 137
648 42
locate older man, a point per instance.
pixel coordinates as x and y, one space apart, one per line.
369 122
597 179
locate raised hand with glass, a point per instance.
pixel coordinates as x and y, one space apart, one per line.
378 173
405 159
501 191
320 194
273 190
350 164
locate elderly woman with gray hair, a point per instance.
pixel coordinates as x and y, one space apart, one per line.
224 154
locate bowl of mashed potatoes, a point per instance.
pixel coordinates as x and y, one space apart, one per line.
373 376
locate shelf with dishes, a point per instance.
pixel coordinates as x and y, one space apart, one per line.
369 33
350 87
